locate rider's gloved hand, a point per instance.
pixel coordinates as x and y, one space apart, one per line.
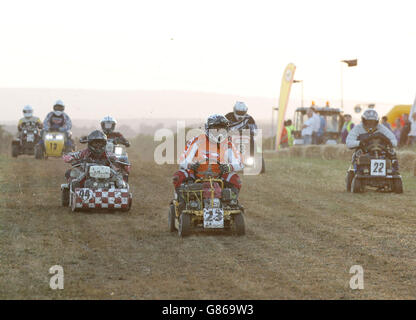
194 166
225 168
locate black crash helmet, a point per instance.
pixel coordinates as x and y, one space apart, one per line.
97 141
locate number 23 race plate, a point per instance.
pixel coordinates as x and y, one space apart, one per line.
214 218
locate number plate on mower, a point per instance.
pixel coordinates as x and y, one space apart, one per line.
30 138
214 218
378 167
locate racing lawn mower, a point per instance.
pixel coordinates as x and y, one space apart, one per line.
54 145
96 187
26 142
206 204
375 165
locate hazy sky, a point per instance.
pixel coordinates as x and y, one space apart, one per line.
232 47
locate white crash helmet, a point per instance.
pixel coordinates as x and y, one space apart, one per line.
108 124
370 120
27 111
58 108
240 110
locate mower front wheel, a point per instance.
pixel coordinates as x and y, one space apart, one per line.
240 226
356 185
171 218
184 225
15 151
348 180
39 155
65 197
397 185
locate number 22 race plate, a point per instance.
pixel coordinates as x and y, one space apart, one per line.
378 167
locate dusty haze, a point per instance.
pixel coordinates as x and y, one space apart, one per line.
133 107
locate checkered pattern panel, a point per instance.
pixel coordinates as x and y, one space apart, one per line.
102 198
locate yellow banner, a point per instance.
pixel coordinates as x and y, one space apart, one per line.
287 80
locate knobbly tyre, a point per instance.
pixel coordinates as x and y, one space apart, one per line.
206 205
375 165
26 142
54 145
96 187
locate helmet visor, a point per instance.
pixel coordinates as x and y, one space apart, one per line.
58 108
240 113
370 124
108 125
98 145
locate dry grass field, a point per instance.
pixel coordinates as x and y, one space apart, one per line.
304 232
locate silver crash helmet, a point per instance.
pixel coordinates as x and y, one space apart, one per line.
370 120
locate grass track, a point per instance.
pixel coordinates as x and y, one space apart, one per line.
304 232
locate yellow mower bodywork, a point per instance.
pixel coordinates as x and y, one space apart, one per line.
54 144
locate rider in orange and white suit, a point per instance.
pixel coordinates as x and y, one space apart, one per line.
214 147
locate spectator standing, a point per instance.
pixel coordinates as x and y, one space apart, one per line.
307 128
346 128
405 130
412 134
316 125
385 123
290 128
284 140
398 129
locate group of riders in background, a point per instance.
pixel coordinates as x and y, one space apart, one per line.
213 145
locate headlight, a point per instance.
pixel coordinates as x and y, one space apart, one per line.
250 161
59 137
118 151
194 204
49 137
25 131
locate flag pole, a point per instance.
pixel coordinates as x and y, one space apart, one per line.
272 131
342 87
